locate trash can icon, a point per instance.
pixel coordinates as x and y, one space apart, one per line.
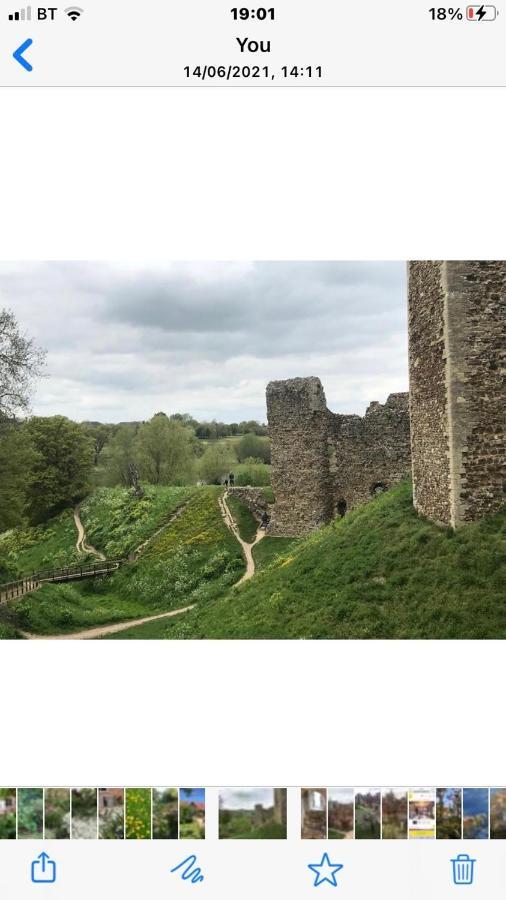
463 869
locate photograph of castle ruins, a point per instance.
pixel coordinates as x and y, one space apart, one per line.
294 450
252 813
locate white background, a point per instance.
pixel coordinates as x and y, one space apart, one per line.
311 174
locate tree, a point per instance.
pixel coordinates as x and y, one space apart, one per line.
185 419
119 455
100 435
253 447
17 458
216 463
135 481
206 431
164 450
62 465
20 362
253 475
253 426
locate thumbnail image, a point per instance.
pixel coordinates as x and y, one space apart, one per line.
449 813
172 435
368 814
7 813
422 813
30 813
313 813
138 814
252 813
165 813
84 814
498 813
192 813
394 814
340 813
475 813
57 813
111 813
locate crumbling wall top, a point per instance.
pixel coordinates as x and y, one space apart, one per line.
295 398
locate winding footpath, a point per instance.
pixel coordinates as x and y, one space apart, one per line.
247 549
103 631
81 545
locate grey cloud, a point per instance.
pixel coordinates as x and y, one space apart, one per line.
206 337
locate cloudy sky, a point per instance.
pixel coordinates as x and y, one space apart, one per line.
246 798
126 341
341 795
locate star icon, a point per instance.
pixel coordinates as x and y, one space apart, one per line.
325 871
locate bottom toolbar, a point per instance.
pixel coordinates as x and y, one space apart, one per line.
249 870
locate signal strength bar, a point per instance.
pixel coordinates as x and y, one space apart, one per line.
23 15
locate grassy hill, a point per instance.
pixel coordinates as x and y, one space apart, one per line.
193 559
26 550
117 522
381 572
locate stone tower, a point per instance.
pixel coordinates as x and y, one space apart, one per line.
298 428
457 360
280 806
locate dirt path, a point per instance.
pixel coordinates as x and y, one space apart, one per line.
246 548
81 545
138 550
103 630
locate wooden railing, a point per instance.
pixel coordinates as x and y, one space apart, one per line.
28 583
14 589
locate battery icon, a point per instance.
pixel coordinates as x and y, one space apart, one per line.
481 13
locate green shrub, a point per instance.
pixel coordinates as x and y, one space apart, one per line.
252 475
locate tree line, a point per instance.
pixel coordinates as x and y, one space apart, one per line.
212 431
48 462
167 450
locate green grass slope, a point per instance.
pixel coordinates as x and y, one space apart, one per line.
194 559
117 522
27 550
246 522
270 548
381 572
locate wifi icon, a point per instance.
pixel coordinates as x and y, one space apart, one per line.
74 12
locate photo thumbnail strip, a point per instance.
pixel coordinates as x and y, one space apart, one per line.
252 813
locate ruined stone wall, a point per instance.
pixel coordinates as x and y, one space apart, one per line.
324 464
298 429
465 317
369 454
427 363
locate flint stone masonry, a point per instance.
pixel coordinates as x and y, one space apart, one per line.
300 473
323 463
457 350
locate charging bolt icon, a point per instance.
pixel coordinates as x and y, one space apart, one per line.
481 13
